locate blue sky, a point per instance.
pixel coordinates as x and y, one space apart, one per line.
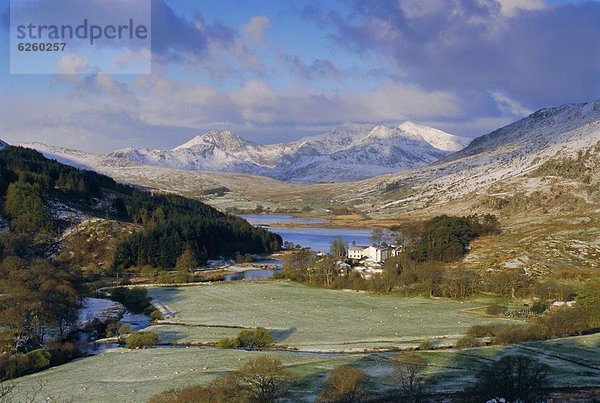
273 71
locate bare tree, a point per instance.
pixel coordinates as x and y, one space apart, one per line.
262 380
337 247
378 236
408 377
513 378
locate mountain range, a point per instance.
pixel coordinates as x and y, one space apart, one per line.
554 152
539 175
330 157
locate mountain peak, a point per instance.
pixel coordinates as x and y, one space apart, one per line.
437 138
223 138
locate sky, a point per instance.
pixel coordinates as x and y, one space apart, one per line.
274 71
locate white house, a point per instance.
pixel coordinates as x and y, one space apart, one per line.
377 253
356 251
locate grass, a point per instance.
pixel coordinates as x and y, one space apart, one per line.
135 375
311 319
306 318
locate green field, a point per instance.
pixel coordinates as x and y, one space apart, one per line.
311 319
135 375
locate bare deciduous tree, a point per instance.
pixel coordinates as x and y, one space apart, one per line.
408 377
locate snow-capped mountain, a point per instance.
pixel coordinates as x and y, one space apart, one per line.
437 138
553 152
525 156
332 156
3 144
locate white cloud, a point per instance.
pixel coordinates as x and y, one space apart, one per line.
420 8
397 101
139 61
72 64
510 8
106 114
509 106
254 31
473 127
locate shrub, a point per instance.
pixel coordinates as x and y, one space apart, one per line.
228 343
489 330
125 328
39 359
263 379
344 384
142 339
518 334
539 307
63 352
12 366
467 341
156 315
565 321
426 345
112 329
258 338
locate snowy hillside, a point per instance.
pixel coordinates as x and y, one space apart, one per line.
505 160
332 156
437 138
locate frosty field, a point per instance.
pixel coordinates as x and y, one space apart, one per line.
135 375
311 319
308 319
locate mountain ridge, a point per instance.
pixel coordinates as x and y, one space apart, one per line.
331 156
522 157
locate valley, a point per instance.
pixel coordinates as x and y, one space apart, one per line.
538 177
300 201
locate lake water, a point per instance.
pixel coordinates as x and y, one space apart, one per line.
316 238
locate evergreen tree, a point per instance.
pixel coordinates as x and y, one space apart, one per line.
588 299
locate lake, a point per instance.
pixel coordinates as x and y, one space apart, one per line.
316 238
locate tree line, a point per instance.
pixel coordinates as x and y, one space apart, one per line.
169 223
40 297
